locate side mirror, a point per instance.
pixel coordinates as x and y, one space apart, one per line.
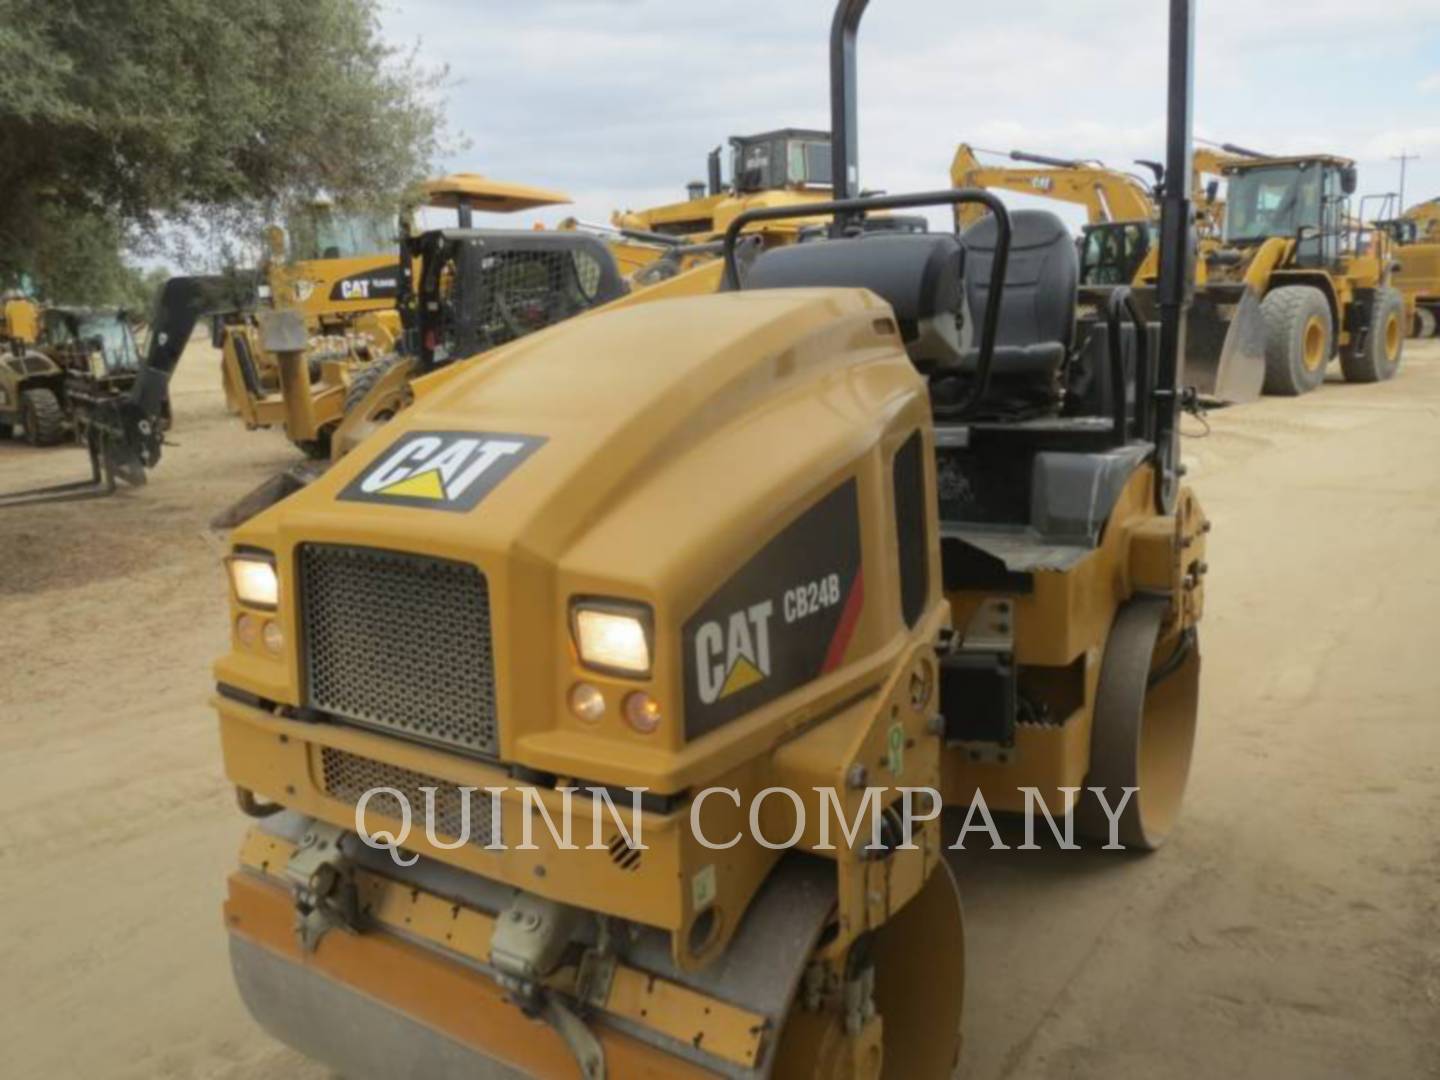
1212 191
275 241
1349 180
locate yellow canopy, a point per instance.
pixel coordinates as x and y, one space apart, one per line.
482 193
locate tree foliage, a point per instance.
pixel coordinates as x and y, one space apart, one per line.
120 116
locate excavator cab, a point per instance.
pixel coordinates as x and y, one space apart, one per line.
1111 253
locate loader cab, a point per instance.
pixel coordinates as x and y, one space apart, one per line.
1304 199
90 341
795 158
320 230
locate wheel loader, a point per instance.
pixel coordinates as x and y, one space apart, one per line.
1299 277
821 537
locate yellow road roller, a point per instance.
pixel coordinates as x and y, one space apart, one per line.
597 713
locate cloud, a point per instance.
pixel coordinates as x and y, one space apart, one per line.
618 101
1430 84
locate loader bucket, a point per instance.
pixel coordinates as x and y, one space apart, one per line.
1225 345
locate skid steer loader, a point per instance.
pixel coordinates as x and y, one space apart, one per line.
831 531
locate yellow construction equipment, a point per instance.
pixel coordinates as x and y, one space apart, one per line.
1416 235
347 297
56 358
1106 194
827 540
1117 244
787 167
1298 276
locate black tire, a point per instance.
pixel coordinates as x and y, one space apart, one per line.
44 419
5 430
1299 338
1425 322
1384 346
364 380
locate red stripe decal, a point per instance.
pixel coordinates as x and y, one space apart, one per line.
846 630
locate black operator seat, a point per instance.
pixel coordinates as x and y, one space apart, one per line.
1037 309
920 275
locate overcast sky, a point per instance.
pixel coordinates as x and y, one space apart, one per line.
617 101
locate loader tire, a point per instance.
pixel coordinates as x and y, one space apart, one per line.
1379 358
1424 323
1143 730
43 418
365 379
1299 338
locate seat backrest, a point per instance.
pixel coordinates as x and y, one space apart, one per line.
1041 278
920 275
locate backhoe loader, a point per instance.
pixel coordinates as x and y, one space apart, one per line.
349 303
821 536
1299 272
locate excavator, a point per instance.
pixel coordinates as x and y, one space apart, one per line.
1121 211
815 530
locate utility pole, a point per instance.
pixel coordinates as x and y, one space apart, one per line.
1403 157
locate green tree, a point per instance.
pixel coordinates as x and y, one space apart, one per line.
118 117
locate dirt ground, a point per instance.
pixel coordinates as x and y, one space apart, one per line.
1290 929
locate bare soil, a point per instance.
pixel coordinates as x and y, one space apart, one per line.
1291 928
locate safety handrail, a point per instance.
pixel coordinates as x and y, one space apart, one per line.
1120 304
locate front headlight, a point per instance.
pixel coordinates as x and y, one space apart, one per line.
252 574
612 635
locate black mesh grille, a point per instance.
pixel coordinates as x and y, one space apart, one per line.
400 641
348 776
515 293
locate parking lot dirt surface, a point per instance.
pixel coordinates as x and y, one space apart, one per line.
1291 927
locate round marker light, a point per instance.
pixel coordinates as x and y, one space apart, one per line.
587 702
247 629
273 637
642 712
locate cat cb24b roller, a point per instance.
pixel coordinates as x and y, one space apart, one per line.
514 585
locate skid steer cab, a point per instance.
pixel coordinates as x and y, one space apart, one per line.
598 714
